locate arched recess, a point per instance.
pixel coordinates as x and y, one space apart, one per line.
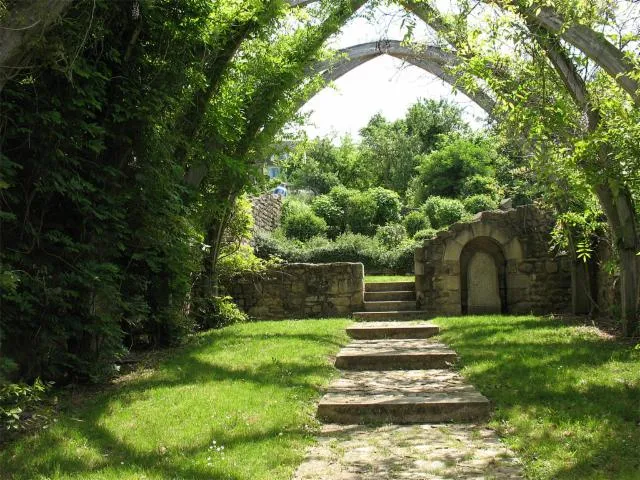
429 58
483 277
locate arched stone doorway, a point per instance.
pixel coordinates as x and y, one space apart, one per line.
483 279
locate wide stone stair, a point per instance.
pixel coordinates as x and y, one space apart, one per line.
395 372
389 301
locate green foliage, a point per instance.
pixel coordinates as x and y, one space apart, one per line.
347 247
18 402
388 205
479 203
444 171
218 312
300 222
391 235
443 212
415 221
481 185
425 234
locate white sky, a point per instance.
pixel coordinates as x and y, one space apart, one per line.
383 84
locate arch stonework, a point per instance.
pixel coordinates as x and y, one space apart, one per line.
431 59
533 280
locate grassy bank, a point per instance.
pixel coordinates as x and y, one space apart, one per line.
567 398
236 404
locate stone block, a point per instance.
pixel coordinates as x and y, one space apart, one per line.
518 280
481 229
452 251
526 267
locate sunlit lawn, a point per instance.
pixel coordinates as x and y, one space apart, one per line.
237 404
566 399
389 278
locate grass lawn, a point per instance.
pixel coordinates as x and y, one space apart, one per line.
389 278
567 399
235 404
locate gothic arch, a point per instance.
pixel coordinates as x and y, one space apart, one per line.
429 58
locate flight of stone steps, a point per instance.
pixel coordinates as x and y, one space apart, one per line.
389 301
395 372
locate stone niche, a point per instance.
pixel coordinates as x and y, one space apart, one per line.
483 277
302 290
499 262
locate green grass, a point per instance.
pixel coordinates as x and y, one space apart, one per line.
389 278
566 398
248 388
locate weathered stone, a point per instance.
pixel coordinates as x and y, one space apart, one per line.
303 289
483 289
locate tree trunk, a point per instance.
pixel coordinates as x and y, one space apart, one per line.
21 27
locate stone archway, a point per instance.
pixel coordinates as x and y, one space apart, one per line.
483 279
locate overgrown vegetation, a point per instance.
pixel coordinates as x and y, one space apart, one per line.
566 396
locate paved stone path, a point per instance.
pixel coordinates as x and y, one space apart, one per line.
388 382
408 452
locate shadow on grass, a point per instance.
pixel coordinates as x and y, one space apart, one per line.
568 400
50 453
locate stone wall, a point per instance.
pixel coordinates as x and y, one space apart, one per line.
303 290
266 210
527 277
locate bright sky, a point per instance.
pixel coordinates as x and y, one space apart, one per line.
383 84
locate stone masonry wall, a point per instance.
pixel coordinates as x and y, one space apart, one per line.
266 210
536 281
303 290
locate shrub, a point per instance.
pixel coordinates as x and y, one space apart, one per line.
481 185
392 235
443 212
300 222
425 234
479 203
401 258
326 207
415 221
361 210
388 205
442 172
218 312
17 401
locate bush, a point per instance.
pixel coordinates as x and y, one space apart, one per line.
326 207
17 401
416 221
442 172
443 212
348 247
218 312
392 235
479 203
388 205
300 222
360 212
481 185
425 234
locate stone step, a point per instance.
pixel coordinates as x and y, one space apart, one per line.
401 397
394 354
387 296
390 306
379 330
389 286
397 315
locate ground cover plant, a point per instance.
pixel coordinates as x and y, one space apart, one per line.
237 403
566 397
